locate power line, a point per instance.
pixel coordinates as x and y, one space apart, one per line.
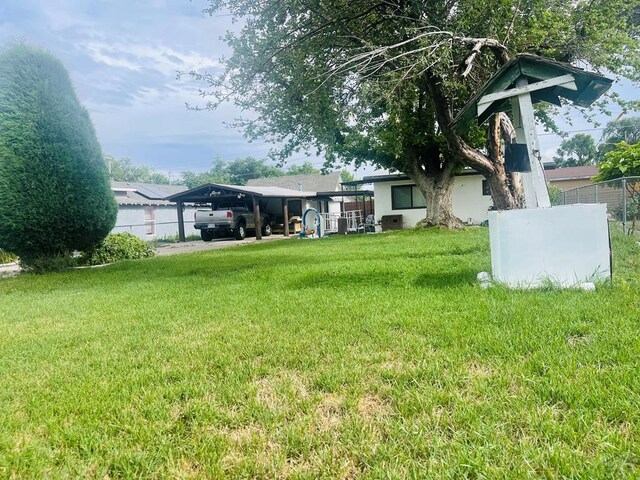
573 131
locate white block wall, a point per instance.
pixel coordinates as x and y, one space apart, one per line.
565 245
468 202
131 218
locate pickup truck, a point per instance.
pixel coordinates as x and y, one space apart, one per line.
228 220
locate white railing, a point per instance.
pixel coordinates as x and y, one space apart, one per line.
330 220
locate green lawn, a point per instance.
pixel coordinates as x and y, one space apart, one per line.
373 356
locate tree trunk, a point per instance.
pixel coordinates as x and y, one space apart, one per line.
437 190
506 189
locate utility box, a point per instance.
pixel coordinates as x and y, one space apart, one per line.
391 222
564 246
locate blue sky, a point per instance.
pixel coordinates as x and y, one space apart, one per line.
123 56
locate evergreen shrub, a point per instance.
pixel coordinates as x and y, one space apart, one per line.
55 195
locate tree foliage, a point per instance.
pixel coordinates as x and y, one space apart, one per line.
378 81
124 170
304 168
623 130
576 151
54 189
241 170
624 161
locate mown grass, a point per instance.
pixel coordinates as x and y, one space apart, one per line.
374 356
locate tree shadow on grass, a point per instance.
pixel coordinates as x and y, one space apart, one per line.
436 280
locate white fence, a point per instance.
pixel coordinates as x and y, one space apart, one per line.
354 219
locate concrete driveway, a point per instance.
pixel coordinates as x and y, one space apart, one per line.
11 269
199 246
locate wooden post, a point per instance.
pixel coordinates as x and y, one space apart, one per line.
256 218
181 235
528 126
285 211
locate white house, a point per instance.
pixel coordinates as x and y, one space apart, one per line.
143 211
398 195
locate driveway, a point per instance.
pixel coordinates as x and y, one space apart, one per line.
199 246
11 269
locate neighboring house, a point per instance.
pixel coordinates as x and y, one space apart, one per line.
320 184
398 195
143 211
571 177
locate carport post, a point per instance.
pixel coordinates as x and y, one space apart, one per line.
256 217
285 211
181 235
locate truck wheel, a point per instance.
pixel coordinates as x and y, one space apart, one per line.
240 232
206 235
266 230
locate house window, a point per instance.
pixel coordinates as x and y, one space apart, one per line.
486 191
404 197
150 220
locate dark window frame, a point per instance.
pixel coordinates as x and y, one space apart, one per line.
393 203
486 191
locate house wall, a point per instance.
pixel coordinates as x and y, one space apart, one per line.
467 198
131 218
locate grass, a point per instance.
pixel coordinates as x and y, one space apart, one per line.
373 356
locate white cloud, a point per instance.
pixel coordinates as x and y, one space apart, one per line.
138 56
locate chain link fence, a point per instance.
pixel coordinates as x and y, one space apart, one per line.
622 197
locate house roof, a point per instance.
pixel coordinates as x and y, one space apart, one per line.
589 86
572 173
395 177
204 193
310 182
147 194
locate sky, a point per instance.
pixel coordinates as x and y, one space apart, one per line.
123 57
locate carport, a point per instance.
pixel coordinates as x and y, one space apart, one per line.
211 193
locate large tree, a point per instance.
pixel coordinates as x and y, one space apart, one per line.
379 81
621 130
54 189
576 151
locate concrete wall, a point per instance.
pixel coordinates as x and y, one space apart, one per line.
131 218
468 201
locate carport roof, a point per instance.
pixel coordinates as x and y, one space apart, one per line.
205 193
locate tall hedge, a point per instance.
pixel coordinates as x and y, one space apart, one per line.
55 195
